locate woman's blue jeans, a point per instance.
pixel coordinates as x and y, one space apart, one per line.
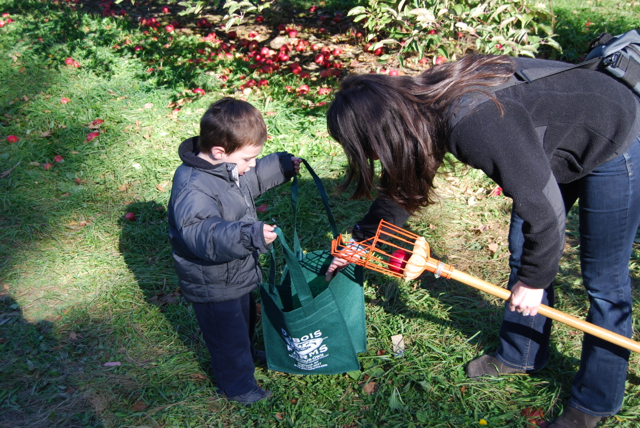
609 203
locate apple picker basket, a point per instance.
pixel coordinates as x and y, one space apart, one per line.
397 252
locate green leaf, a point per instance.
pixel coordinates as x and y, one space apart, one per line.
230 23
458 9
498 11
375 372
355 375
422 416
395 401
507 21
423 14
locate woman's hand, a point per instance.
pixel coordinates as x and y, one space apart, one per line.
352 249
336 264
525 299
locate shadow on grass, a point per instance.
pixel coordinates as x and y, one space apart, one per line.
145 247
37 387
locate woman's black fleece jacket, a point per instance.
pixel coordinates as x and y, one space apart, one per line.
553 130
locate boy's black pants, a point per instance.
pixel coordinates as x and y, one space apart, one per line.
227 328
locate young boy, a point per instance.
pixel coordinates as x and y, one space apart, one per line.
216 236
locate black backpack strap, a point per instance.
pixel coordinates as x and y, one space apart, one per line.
602 39
532 74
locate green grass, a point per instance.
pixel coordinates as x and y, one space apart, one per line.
81 286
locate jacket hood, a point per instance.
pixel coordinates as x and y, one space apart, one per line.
189 156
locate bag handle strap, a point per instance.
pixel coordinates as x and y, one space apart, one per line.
294 203
325 199
295 270
272 270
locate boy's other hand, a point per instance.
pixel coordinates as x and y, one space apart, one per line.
296 164
269 234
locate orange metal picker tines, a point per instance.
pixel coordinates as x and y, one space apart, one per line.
397 252
392 251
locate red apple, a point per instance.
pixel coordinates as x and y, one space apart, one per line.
398 260
130 216
295 68
441 59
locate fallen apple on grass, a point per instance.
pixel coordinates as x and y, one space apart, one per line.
130 216
398 260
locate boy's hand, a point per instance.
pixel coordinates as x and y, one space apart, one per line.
269 234
296 164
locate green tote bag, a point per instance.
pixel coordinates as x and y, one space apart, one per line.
311 326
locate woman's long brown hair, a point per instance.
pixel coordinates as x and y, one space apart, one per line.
402 121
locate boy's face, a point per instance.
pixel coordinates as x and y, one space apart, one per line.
245 158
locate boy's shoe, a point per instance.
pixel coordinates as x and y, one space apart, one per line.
489 365
574 418
252 396
259 356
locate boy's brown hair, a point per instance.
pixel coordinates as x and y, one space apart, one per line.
231 124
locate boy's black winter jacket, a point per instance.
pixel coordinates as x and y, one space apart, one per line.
213 227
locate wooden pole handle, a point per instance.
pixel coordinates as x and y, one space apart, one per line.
549 312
